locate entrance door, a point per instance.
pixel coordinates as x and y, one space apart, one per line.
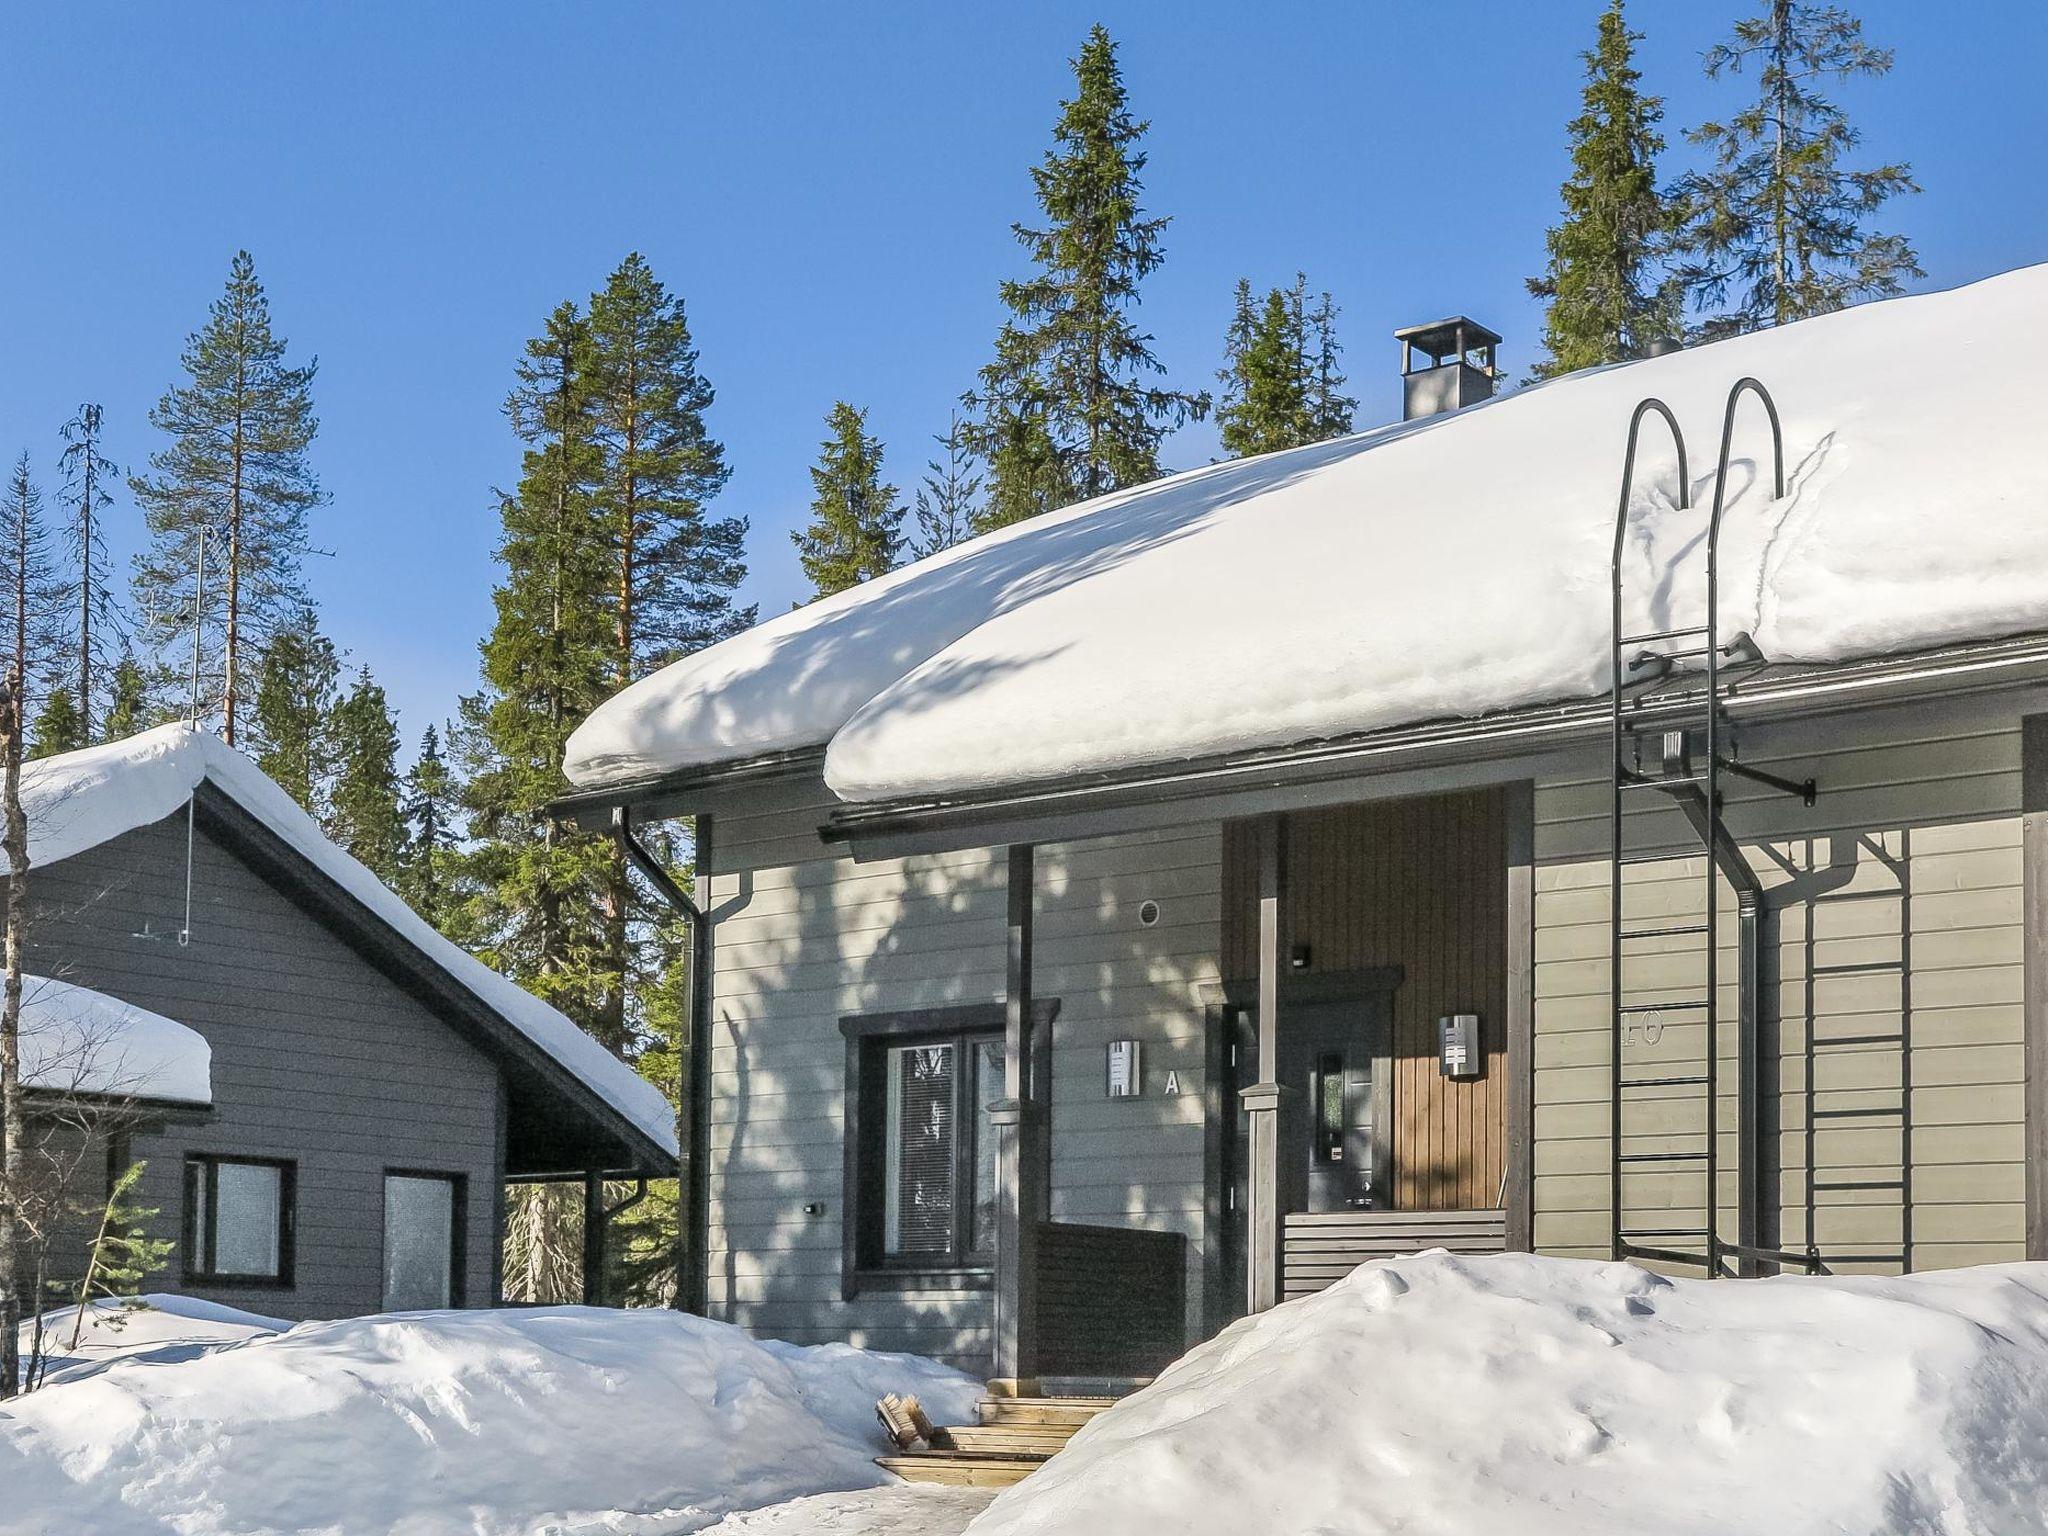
1336 1056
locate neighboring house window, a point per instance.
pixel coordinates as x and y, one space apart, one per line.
422 1240
920 1196
239 1215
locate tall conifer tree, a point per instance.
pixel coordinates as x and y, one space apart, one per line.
427 808
236 467
948 497
1778 223
128 706
292 726
36 597
1282 387
855 532
89 477
1066 410
363 811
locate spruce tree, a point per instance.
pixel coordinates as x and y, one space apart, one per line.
297 684
59 727
535 886
128 706
1065 411
36 597
855 531
1778 223
946 499
363 813
89 476
1282 387
1607 298
236 467
427 811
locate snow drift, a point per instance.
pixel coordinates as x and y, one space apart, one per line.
156 1327
78 800
1442 1396
1445 568
479 1423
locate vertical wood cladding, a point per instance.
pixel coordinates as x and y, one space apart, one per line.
1421 884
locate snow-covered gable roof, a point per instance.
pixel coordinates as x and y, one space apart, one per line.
79 800
76 1040
1438 569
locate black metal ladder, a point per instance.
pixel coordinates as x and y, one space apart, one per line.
1671 744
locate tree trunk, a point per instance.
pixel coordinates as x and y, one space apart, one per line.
230 672
16 844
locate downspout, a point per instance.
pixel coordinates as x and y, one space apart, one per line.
693 1227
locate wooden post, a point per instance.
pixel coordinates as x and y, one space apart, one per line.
1019 1121
2034 935
1263 1099
1521 994
593 1238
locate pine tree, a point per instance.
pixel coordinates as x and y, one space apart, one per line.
236 467
60 727
855 531
363 814
89 477
1281 384
297 686
946 505
1064 410
535 887
1778 221
1607 297
36 598
128 709
427 810
123 1253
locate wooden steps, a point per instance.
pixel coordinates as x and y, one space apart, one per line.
1014 1435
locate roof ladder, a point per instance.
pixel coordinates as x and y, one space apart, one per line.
1671 747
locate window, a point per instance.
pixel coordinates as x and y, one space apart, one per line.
921 1153
422 1241
239 1216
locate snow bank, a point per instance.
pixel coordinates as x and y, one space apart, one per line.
156 1327
479 1423
75 1040
904 1510
1441 1396
1445 568
78 800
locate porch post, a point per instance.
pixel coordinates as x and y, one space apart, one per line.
1263 1099
1019 1121
593 1238
2034 942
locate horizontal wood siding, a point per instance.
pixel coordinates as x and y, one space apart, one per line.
1895 900
1422 884
317 1057
804 938
1318 1250
1113 1300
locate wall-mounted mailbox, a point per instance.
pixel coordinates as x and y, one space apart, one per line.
1457 1046
1126 1079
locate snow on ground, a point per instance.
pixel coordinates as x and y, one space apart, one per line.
1442 1396
159 1328
484 1423
76 1040
897 1511
1444 568
78 800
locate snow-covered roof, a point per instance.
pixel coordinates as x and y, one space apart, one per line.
1446 568
78 800
75 1040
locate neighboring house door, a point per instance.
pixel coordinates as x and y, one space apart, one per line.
1336 1056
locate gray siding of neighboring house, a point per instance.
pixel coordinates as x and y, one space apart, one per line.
804 938
1918 813
317 1057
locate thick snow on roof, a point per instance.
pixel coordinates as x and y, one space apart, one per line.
78 800
480 1423
1444 568
75 1040
1442 1396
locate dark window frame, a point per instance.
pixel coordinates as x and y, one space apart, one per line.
198 1268
863 1265
458 1215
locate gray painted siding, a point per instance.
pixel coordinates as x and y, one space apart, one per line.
317 1056
803 938
1919 811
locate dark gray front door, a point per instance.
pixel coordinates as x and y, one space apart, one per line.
1336 1056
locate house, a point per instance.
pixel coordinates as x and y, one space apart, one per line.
328 1096
1141 915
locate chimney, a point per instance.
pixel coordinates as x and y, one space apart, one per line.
1445 365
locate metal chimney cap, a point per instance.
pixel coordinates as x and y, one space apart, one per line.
1440 338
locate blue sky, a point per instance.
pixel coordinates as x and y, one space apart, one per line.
831 189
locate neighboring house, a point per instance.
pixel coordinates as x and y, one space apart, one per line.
329 1096
1145 913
